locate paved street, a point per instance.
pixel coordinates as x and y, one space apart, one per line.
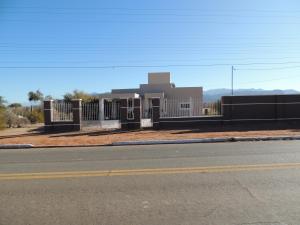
218 184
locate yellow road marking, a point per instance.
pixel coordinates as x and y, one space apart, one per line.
156 171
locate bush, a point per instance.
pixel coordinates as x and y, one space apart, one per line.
22 122
2 118
36 116
13 120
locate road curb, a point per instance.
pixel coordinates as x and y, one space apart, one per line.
161 142
206 140
16 146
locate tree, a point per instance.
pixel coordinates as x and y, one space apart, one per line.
48 97
85 97
2 118
2 113
2 102
35 96
15 105
68 97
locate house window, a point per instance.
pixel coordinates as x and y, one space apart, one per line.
185 106
130 109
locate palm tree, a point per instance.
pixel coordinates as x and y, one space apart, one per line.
35 96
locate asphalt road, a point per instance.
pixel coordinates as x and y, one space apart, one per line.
227 183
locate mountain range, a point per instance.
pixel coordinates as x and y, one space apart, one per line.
216 94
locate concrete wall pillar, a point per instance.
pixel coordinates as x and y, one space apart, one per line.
76 108
130 123
48 107
156 112
137 111
123 113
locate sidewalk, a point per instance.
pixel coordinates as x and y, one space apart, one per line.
36 138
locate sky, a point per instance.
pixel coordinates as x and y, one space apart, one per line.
58 46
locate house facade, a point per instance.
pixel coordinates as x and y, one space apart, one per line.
174 101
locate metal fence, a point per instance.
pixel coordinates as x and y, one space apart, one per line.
90 111
62 111
112 109
181 107
212 109
147 110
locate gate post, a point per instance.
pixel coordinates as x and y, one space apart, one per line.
48 108
123 113
156 112
134 122
76 108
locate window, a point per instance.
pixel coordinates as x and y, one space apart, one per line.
130 109
185 106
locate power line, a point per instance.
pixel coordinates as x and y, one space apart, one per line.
6 46
151 9
145 61
202 14
167 37
144 66
149 53
153 22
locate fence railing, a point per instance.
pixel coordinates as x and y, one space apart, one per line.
147 109
62 111
147 113
181 107
112 110
90 111
212 109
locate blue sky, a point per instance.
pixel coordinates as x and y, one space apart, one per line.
197 41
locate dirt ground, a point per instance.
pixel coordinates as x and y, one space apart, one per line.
37 137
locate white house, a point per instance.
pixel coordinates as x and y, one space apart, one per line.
175 101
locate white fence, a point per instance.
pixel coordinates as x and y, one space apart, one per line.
181 107
101 114
62 111
90 111
147 110
111 109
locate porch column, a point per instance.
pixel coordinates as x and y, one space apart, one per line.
156 112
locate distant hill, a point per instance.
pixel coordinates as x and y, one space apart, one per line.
215 94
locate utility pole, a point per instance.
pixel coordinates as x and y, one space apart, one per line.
232 69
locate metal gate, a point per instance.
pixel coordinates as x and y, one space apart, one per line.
110 114
102 114
147 113
90 115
